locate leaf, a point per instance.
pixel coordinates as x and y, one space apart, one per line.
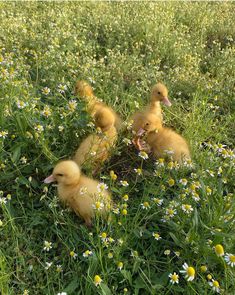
105 289
175 239
16 153
127 276
72 286
139 283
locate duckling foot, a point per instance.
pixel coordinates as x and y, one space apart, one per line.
88 223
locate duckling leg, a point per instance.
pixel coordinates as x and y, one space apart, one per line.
136 143
88 221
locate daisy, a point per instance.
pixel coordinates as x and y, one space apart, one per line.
219 250
203 268
61 128
98 206
189 272
174 278
3 134
183 181
110 255
72 105
46 90
48 265
158 201
124 183
171 182
124 212
187 208
156 236
103 236
97 280
160 162
62 88
210 172
127 141
113 175
87 253
39 128
215 286
230 259
125 198
46 112
138 171
59 268
120 265
102 187
143 155
170 212
145 205
21 104
47 246
208 190
116 211
73 254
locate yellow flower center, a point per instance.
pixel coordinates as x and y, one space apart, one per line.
124 212
219 250
209 276
125 197
171 182
187 207
215 284
170 211
232 258
174 277
97 205
97 279
103 235
193 187
191 271
203 268
146 204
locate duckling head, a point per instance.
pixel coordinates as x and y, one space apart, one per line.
104 119
65 172
83 89
160 93
148 123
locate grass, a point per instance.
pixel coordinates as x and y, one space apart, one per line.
122 49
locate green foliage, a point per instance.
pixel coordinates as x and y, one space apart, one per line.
122 49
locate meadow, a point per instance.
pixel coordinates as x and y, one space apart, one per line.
165 216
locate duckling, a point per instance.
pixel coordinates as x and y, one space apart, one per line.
85 91
78 191
159 93
95 149
162 139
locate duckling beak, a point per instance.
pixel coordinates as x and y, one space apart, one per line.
49 179
140 132
166 101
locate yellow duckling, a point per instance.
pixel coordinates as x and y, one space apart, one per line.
161 140
79 192
95 149
159 94
85 91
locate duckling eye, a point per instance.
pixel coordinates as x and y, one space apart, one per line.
159 92
147 124
59 174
